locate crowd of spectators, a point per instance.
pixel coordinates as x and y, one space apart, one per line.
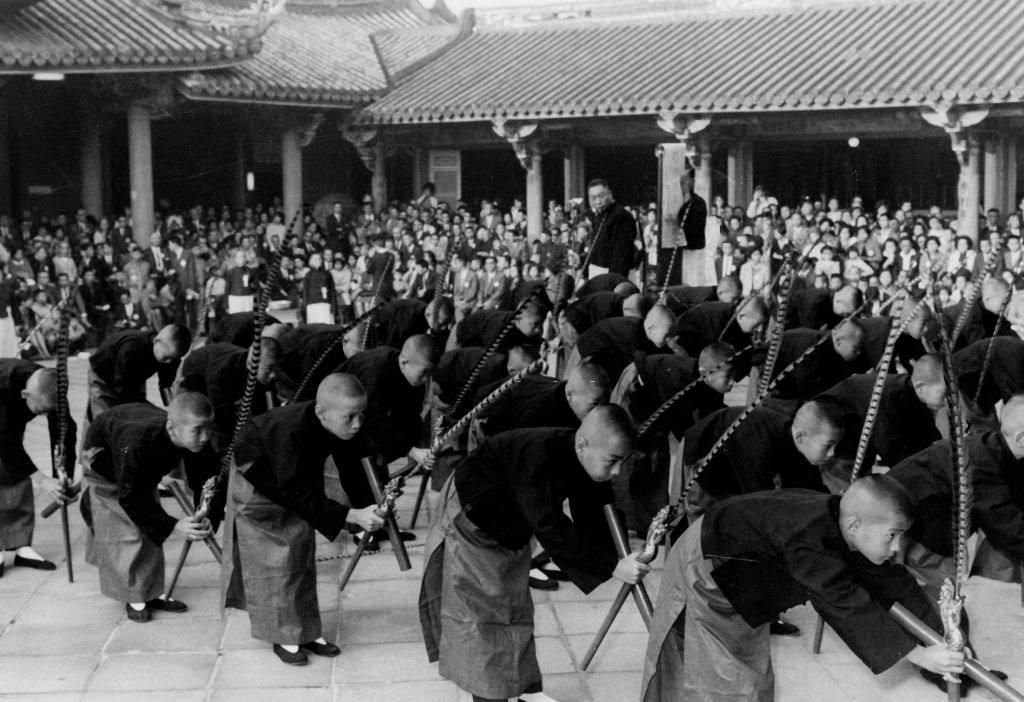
201 264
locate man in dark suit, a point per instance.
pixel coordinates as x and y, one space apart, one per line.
615 233
337 237
127 315
728 264
121 235
158 259
691 220
183 265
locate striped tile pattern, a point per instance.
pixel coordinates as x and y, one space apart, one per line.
901 53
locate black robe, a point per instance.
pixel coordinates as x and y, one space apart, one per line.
980 324
613 343
513 486
454 367
589 310
761 447
536 401
775 550
129 446
15 463
615 232
659 378
903 426
680 298
606 282
124 362
706 323
238 329
391 324
283 453
300 349
811 308
391 423
816 373
481 327
1005 375
219 372
998 494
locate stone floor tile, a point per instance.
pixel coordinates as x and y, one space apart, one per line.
618 652
399 662
201 601
167 632
379 594
262 669
617 687
11 604
580 617
567 592
56 611
45 674
238 635
553 656
439 691
371 626
43 697
153 671
273 694
149 696
544 621
566 687
72 639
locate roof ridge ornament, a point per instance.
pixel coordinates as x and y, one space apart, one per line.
516 135
684 128
248 23
955 121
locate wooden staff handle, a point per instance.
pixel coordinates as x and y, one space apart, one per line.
401 555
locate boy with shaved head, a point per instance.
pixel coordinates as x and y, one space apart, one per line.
276 503
1004 377
709 322
304 345
27 390
998 509
819 308
765 444
905 419
481 327
612 343
126 452
983 318
475 605
751 557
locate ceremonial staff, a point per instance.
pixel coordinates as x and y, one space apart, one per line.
337 340
60 467
655 533
786 276
974 290
995 330
375 300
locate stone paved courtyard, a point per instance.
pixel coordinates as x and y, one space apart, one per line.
64 642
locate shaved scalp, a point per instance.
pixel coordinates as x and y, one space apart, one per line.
590 379
753 305
625 289
189 404
43 384
817 416
636 305
273 331
422 348
849 328
177 337
270 348
715 354
524 355
928 370
849 297
1011 419
877 498
728 284
661 314
337 386
995 284
607 425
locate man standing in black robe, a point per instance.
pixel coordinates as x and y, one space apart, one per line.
27 390
613 246
692 220
127 451
276 502
475 605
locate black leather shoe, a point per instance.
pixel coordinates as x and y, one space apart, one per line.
297 658
559 575
372 546
168 605
34 563
966 683
538 584
2 565
407 536
328 650
137 615
781 628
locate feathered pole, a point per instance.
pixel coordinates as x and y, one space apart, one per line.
951 595
974 290
60 467
337 340
882 372
787 276
375 301
999 320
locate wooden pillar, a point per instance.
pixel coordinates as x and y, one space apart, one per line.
291 171
969 190
740 173
6 184
91 160
534 194
574 172
702 182
1010 172
140 168
379 182
993 175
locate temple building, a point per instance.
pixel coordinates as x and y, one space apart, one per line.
114 103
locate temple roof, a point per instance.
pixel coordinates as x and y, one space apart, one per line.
865 55
93 36
328 54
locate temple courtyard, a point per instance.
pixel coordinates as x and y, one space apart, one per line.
64 642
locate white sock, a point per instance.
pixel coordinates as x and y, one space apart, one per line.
537 574
321 640
137 606
536 697
552 566
163 597
28 552
290 649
